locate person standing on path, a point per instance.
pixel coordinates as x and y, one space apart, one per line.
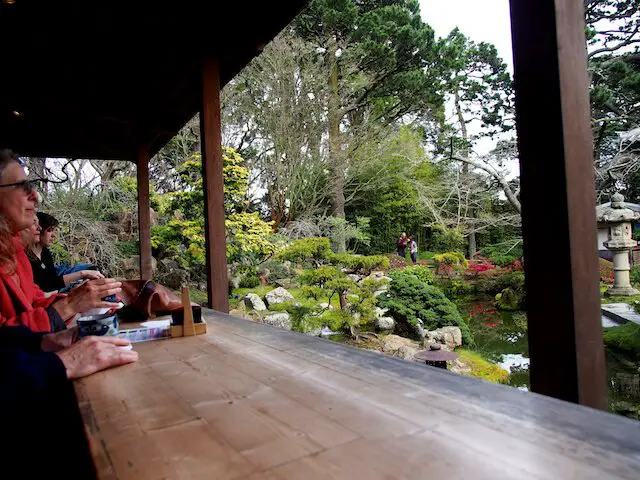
402 245
413 250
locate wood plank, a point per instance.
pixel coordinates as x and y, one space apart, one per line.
213 185
144 213
247 400
558 196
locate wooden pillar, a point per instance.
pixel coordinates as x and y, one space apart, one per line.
213 185
558 201
144 214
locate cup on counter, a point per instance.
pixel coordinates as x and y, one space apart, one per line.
99 325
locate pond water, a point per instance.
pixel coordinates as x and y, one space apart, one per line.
500 336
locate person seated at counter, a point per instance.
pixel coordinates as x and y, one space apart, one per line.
45 273
22 302
42 429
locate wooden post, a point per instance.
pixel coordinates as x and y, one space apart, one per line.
558 201
213 185
144 214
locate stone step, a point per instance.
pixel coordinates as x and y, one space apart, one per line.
620 313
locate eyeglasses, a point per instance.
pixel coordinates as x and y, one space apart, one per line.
25 185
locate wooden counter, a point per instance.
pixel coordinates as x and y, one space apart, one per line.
250 401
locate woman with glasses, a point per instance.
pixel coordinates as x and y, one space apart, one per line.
22 303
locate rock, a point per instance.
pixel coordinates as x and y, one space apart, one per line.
450 337
315 332
171 275
131 267
325 306
380 312
253 301
279 295
356 278
377 274
234 282
399 347
379 292
385 324
280 320
286 283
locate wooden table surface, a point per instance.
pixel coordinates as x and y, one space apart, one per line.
250 401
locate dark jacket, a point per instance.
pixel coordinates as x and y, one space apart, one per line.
44 272
42 429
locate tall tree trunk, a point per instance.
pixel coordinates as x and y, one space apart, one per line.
336 164
473 245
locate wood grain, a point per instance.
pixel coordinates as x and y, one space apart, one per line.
558 201
251 401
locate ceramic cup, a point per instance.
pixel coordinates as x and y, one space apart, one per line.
99 325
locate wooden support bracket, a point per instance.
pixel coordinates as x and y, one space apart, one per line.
188 327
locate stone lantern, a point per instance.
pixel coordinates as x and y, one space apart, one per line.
620 221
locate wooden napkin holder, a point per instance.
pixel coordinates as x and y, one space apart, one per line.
189 327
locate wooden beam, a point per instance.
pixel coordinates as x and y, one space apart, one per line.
213 185
144 214
558 201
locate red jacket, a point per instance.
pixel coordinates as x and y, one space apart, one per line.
26 304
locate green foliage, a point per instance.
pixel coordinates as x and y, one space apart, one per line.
338 320
452 260
321 275
482 368
249 281
248 234
275 271
128 249
634 274
445 239
316 250
508 300
624 339
413 301
504 253
363 264
422 272
453 287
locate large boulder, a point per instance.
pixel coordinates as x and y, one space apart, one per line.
280 320
400 347
171 275
385 324
254 302
450 337
279 295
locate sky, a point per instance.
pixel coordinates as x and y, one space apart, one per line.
481 20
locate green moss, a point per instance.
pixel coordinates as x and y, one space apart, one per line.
624 339
481 368
629 300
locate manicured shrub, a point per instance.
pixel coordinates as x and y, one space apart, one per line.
314 250
249 281
423 272
363 264
411 300
450 261
624 339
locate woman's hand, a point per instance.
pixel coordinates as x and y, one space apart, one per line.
87 296
92 354
81 275
54 342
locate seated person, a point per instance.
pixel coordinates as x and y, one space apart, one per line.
22 303
45 274
42 419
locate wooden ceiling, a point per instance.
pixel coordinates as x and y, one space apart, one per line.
96 79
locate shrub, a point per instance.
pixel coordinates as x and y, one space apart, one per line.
275 270
448 261
128 249
412 301
444 239
423 272
363 264
624 339
320 276
316 250
454 288
634 274
606 271
249 281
